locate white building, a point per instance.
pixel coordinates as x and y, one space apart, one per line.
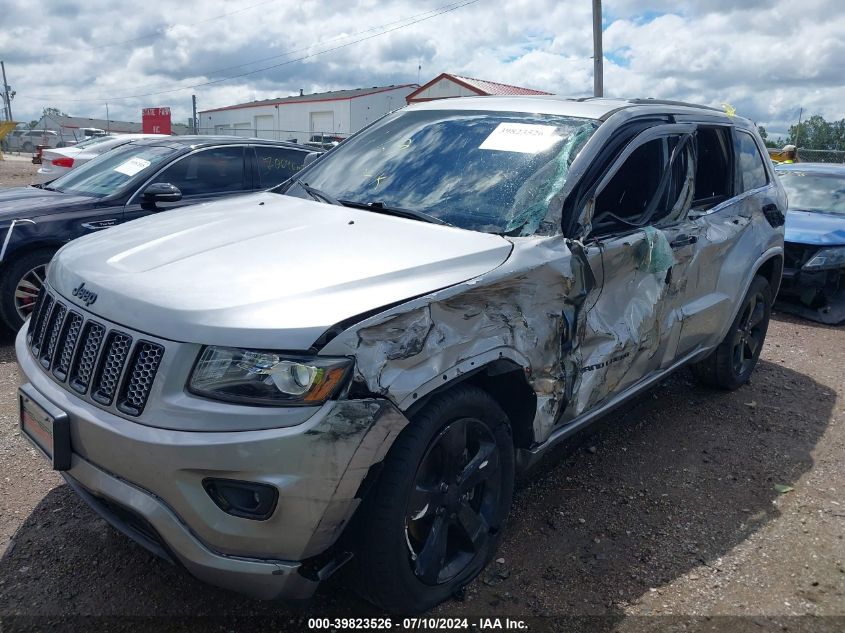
301 117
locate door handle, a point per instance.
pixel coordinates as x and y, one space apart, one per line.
683 240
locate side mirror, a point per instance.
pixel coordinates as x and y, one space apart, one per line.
310 157
162 192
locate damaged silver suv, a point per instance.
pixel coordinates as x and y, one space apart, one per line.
355 365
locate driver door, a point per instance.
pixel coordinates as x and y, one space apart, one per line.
639 243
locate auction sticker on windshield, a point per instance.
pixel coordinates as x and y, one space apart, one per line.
132 166
521 137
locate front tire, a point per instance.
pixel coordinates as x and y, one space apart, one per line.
20 284
731 364
435 518
27 147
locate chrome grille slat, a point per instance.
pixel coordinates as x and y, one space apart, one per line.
86 357
142 370
48 347
67 344
111 366
40 329
36 313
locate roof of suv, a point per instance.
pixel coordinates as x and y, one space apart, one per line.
586 107
195 141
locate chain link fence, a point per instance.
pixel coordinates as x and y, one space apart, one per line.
821 155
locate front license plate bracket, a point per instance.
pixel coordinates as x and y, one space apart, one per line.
46 426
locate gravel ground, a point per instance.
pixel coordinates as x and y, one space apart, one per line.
670 507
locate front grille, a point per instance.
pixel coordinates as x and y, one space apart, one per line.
91 358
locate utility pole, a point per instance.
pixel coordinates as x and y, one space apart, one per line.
194 118
598 55
798 129
108 123
7 99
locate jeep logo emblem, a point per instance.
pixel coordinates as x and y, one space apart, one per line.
85 296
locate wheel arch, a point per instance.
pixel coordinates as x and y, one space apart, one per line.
13 252
770 266
506 382
771 269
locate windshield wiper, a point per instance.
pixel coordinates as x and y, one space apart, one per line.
316 194
380 207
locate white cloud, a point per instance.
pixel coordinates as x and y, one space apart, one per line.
768 58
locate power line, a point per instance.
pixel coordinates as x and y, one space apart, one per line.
271 67
162 31
262 59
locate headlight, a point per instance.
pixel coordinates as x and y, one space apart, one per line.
827 258
269 378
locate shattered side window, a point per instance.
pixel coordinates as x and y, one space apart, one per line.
654 186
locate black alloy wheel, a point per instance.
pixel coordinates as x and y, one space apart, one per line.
454 501
749 334
731 364
435 516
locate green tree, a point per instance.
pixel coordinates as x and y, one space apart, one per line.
817 133
52 112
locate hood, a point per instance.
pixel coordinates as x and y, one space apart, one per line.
265 270
30 202
820 229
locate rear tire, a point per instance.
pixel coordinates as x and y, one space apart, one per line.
20 283
27 147
435 517
731 364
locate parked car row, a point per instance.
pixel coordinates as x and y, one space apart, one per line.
355 363
133 179
59 161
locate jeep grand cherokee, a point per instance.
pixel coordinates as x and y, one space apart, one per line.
355 365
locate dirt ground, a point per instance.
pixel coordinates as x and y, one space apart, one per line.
689 502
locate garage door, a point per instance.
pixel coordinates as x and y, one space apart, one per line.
264 126
244 129
322 122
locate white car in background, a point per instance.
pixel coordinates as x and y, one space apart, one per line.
57 162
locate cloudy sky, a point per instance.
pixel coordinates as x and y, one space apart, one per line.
768 58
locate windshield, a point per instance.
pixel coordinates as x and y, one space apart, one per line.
496 172
814 192
112 172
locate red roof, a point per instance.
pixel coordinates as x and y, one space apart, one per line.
479 86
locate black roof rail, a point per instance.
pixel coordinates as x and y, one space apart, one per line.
669 102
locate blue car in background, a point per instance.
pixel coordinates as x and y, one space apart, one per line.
813 283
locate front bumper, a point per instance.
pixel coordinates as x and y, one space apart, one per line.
125 469
815 295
